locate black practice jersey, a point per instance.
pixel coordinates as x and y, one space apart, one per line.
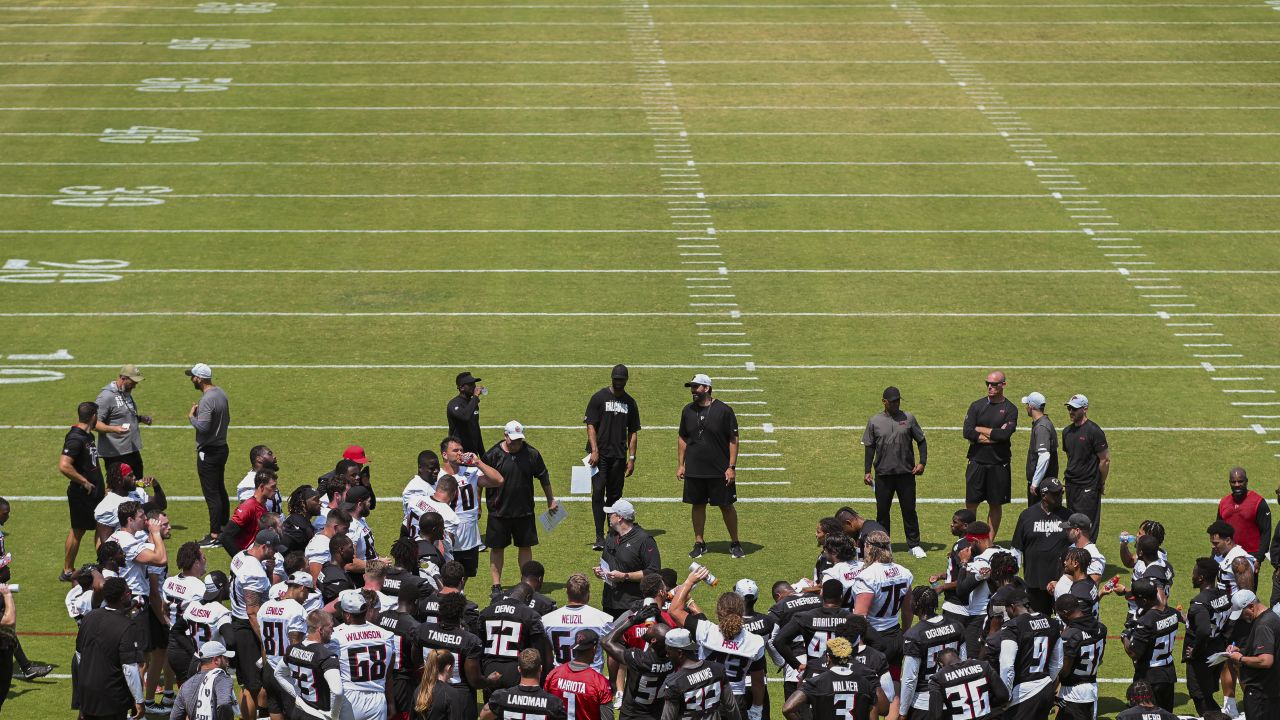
1207 618
1146 713
405 628
508 627
429 613
1083 642
646 672
526 702
1152 641
307 663
461 643
927 638
1036 636
814 628
954 566
697 691
333 580
967 690
846 692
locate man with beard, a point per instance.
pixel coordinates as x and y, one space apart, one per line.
707 450
1041 537
260 458
1247 512
463 413
211 417
613 427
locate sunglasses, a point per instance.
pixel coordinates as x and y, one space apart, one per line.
995 384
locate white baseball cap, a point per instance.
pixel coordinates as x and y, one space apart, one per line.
747 587
622 508
1035 399
699 379
201 370
213 649
1078 401
514 430
301 578
352 601
1240 600
679 638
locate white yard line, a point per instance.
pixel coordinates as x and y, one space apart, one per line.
722 313
725 272
616 108
574 163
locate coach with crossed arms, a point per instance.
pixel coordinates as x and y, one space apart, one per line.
707 456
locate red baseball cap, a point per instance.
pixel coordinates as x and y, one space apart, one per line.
125 470
355 453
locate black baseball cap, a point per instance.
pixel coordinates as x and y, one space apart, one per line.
620 372
355 494
466 378
891 393
1142 588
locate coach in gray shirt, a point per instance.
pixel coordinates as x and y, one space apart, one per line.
211 417
119 437
888 439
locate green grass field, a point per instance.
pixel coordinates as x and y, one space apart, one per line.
807 200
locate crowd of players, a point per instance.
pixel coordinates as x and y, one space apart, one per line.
315 622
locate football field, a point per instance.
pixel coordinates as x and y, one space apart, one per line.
341 204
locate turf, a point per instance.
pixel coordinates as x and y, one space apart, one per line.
495 164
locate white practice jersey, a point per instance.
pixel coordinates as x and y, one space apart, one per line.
276 619
423 504
362 537
205 621
845 572
180 591
134 573
737 654
108 510
317 550
313 602
467 507
981 594
416 487
365 653
319 521
246 574
889 584
563 623
79 602
1227 578
1097 561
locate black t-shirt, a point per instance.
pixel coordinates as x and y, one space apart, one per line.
646 672
405 628
1043 437
508 627
697 692
333 580
1264 639
460 642
107 640
814 628
525 701
1002 418
297 531
307 663
447 703
707 432
1207 618
429 613
967 690
1082 444
954 569
614 418
1035 635
83 451
787 608
1152 641
1146 713
1087 591
514 498
634 551
925 639
1083 642
464 422
842 693
1041 537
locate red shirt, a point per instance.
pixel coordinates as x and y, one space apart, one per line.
246 518
1243 516
582 689
634 638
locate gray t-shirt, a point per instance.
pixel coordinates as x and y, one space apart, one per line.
891 436
116 407
212 418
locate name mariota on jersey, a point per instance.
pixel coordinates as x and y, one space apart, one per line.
571 686
962 672
527 700
700 676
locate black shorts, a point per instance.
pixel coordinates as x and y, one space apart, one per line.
183 663
470 559
157 632
247 651
987 483
1077 711
279 701
82 504
709 491
503 531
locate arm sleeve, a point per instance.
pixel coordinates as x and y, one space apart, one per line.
203 417
1008 654
783 640
225 691
910 676
1055 660
462 412
970 422
1263 520
179 711
134 680
1006 430
333 677
999 693
924 447
284 678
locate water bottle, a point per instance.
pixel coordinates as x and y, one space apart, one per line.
12 588
1112 583
482 390
710 579
1125 538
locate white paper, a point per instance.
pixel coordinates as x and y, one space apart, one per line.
604 572
580 480
586 461
1216 659
551 519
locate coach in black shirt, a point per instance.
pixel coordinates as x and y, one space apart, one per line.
79 463
707 452
631 553
1041 537
987 426
109 685
613 427
1088 462
463 413
1259 671
511 504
